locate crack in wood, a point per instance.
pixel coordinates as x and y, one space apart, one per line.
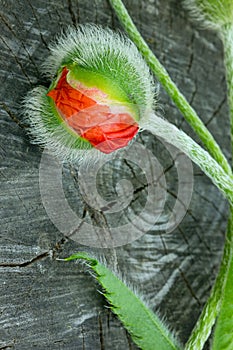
216 111
28 262
189 212
97 216
43 302
38 23
101 336
215 207
13 116
21 42
71 12
96 12
9 346
192 53
57 248
83 337
78 11
193 93
17 60
189 286
164 244
128 340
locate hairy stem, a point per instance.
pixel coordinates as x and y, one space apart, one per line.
223 332
172 90
212 169
208 316
227 38
203 327
211 310
196 153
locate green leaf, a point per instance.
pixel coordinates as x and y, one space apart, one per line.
146 329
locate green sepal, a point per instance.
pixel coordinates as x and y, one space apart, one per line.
120 74
110 87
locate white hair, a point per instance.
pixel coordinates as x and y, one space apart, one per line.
99 50
213 14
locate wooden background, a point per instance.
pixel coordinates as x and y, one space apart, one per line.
48 304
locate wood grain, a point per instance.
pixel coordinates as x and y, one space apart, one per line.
48 304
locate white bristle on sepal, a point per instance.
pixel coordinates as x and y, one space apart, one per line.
211 14
53 138
100 51
86 44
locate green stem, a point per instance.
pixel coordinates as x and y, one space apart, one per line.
211 310
223 332
227 38
203 327
223 338
172 90
196 153
208 316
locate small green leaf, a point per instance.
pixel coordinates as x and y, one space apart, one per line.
146 329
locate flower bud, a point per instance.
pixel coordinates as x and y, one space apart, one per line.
101 91
214 13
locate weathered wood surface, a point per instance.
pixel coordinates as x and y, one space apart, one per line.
47 304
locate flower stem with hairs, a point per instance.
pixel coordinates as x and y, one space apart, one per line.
213 306
162 75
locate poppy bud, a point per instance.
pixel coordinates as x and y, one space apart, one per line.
101 92
215 13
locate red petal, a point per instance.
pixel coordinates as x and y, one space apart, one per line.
108 143
106 131
67 99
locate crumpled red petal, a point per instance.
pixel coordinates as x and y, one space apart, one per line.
69 100
105 130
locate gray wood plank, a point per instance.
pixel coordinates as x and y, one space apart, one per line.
48 304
